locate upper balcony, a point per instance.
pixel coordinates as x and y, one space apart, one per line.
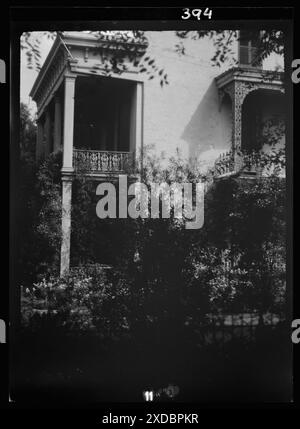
255 102
95 117
104 140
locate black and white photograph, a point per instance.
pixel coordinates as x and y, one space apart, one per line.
151 240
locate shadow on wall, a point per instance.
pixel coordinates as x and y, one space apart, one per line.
208 134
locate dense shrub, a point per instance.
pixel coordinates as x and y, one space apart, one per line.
80 302
40 229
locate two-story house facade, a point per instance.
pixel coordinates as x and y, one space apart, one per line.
106 119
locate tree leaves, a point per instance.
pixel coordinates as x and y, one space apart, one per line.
134 44
30 43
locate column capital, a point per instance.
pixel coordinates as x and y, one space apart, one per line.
69 77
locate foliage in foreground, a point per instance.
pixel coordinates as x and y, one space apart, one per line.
165 279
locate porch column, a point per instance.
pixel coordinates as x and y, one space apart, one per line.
57 123
68 124
138 131
66 225
67 174
47 131
39 140
237 127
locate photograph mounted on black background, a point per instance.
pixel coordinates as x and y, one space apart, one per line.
152 236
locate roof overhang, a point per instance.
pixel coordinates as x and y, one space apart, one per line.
249 74
68 40
46 66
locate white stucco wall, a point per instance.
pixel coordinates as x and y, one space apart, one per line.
184 114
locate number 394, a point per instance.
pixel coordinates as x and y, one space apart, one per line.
196 13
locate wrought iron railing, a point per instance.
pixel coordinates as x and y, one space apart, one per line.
227 163
224 164
251 162
101 161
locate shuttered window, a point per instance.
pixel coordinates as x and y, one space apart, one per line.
248 49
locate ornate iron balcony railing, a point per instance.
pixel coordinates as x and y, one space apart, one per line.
101 161
227 164
224 164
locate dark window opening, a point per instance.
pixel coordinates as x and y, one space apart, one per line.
103 114
262 119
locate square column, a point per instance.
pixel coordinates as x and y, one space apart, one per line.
136 131
67 171
47 133
68 124
237 129
57 123
234 92
39 140
66 225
